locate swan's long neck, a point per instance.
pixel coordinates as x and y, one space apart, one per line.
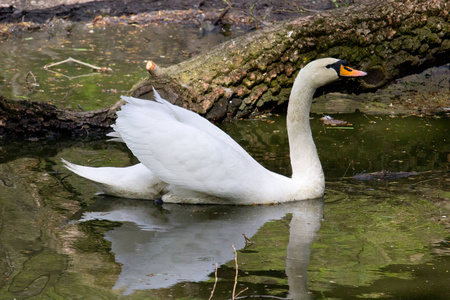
306 167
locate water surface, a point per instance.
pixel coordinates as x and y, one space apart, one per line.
121 47
366 239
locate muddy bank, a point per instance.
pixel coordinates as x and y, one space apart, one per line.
246 11
426 93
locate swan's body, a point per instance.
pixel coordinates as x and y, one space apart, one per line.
186 159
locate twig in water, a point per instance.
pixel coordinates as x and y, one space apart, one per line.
227 2
367 117
31 86
236 276
348 167
422 181
73 77
67 94
263 296
215 283
219 19
70 59
247 240
64 184
301 8
236 297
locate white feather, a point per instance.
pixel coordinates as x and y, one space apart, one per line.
130 182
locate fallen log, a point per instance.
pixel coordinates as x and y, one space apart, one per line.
37 119
254 73
389 39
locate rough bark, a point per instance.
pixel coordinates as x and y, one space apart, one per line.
42 119
388 38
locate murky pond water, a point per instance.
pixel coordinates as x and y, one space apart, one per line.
366 239
124 49
380 238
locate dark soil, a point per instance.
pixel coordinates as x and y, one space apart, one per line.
258 12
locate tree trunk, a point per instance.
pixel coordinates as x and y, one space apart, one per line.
389 39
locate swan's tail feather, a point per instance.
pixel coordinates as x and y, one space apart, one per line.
158 105
88 173
134 101
130 182
70 166
91 173
140 102
158 97
115 135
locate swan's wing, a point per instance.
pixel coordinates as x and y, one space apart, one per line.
193 119
182 115
185 151
141 104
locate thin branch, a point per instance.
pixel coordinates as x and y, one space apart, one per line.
301 8
348 167
247 240
70 59
262 296
215 283
247 13
72 77
31 86
236 297
219 19
236 276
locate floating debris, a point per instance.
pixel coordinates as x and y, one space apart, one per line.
330 121
70 59
386 175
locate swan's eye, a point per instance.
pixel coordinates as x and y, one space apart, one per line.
329 66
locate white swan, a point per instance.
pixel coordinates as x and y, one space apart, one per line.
186 159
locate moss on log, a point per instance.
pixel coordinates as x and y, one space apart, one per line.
389 39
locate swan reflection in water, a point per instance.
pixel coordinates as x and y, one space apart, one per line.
176 243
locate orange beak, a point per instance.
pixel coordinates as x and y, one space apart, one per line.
346 71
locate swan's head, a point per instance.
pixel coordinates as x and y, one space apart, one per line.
326 70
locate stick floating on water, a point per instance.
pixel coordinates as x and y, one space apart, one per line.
70 59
